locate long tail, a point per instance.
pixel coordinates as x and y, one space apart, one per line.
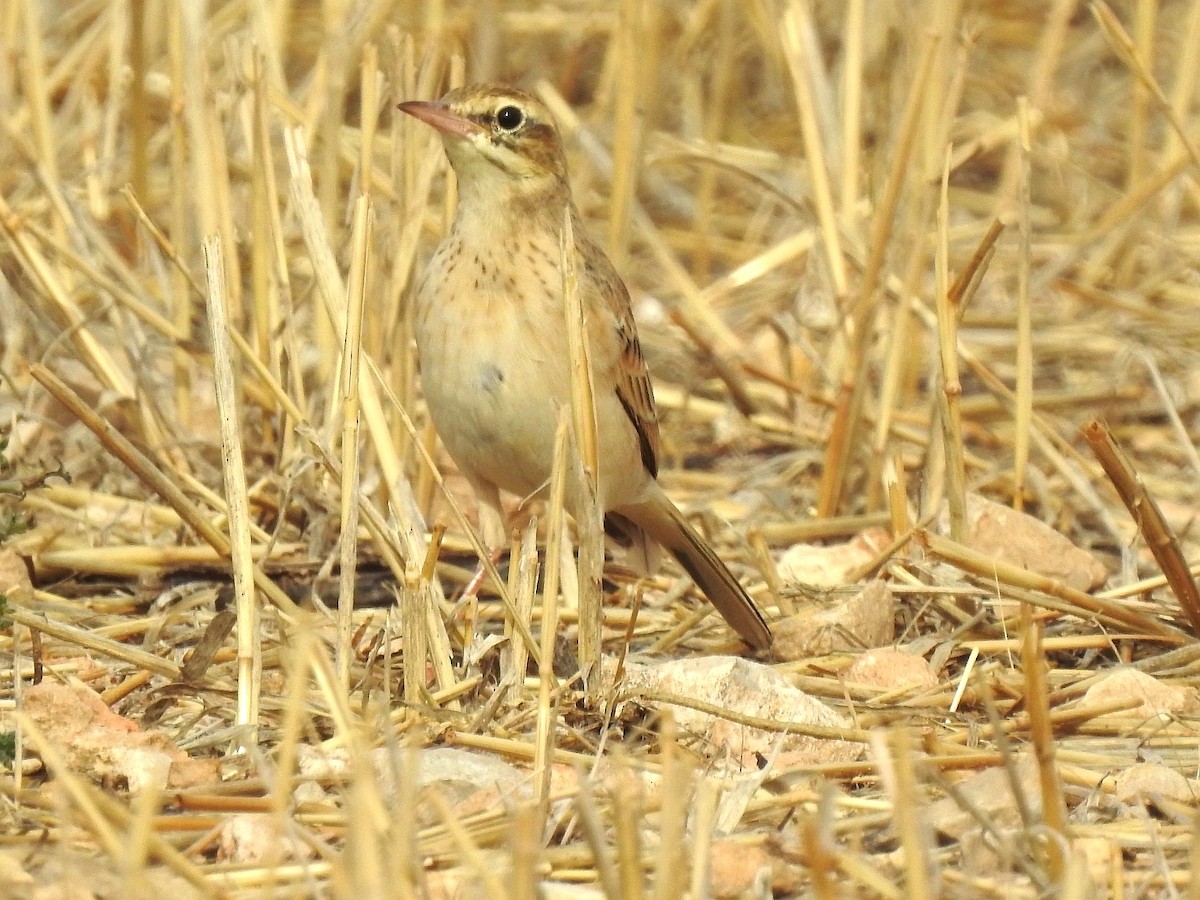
663 521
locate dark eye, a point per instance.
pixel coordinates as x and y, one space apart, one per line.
510 118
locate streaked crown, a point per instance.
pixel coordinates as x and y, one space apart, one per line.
491 130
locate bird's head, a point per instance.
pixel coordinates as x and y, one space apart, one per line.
496 138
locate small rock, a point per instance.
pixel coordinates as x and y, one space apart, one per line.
309 792
14 576
1005 534
891 669
1145 782
830 565
254 838
464 770
864 621
471 782
991 852
751 690
990 793
740 869
98 743
1158 699
144 767
190 773
1097 855
467 780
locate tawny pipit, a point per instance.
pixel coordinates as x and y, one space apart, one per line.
491 335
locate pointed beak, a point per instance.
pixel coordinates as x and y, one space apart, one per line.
441 117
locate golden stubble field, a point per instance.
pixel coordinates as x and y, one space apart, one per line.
918 285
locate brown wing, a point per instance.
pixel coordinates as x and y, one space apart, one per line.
633 387
635 390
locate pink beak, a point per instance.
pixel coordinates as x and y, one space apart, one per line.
441 117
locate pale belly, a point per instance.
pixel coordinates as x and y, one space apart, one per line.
497 423
494 396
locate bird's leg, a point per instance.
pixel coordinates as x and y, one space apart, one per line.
480 573
492 532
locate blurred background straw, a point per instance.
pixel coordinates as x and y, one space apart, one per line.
883 255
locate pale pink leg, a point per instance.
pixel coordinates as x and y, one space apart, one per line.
492 532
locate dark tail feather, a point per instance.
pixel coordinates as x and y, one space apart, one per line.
665 523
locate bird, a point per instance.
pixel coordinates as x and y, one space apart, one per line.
490 324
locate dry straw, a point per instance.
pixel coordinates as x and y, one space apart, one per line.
884 256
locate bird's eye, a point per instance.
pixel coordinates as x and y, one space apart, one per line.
510 118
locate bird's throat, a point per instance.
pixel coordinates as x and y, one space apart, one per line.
496 209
